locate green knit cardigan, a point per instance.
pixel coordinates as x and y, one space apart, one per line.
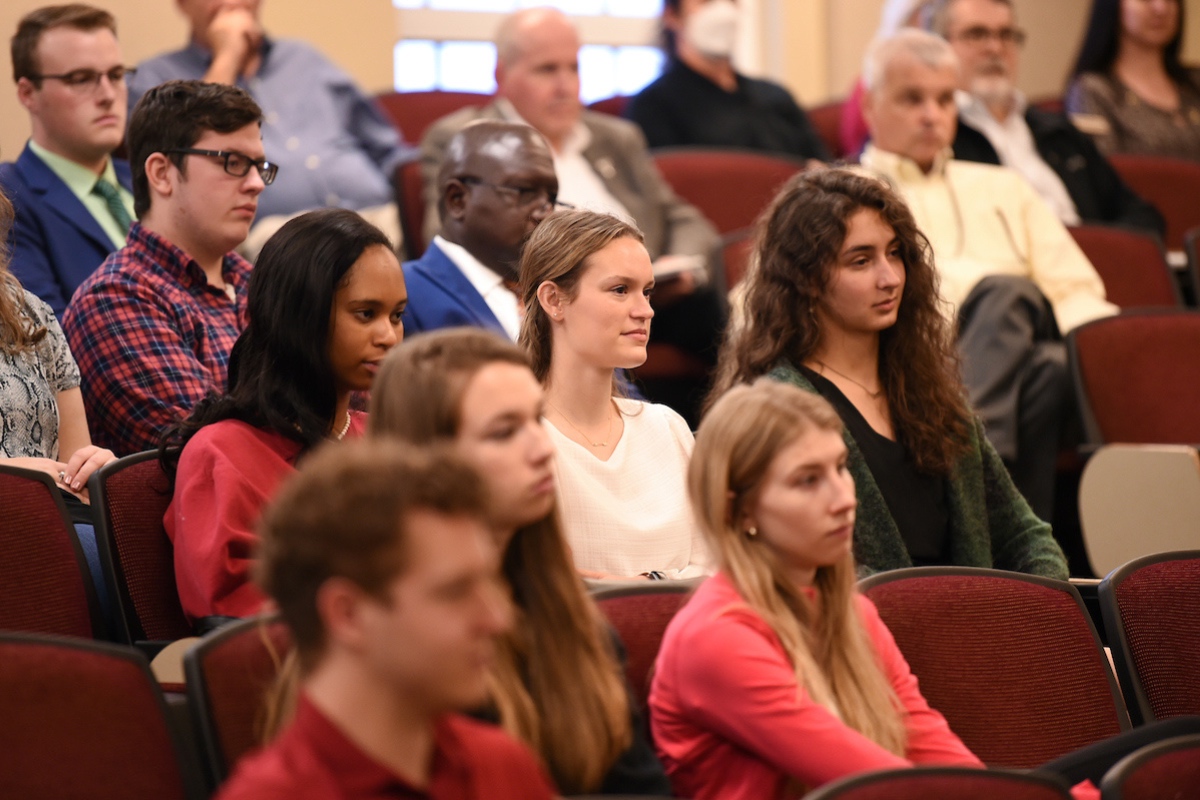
991 525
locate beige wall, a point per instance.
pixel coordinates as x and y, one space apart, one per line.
357 34
817 53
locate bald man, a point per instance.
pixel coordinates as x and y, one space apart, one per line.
495 184
602 164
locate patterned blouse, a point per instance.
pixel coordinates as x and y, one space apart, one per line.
1121 122
29 384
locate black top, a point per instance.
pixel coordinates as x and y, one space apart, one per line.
682 107
1099 194
917 500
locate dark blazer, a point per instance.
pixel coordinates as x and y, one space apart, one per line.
1099 194
619 155
440 296
55 242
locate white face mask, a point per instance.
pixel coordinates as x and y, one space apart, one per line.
712 28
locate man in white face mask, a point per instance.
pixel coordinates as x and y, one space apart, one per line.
702 100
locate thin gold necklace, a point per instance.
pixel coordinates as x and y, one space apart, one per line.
873 395
587 438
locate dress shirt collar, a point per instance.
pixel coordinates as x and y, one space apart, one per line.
79 179
362 776
504 302
176 262
903 168
481 276
976 114
577 141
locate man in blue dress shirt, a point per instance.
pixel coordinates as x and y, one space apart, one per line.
333 145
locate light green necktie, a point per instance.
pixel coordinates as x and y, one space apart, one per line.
116 207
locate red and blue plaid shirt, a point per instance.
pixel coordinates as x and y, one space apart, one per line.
152 338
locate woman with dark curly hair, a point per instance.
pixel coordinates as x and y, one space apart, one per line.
843 301
1129 88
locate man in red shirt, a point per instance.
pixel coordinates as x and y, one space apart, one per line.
379 559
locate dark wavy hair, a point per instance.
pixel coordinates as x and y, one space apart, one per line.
280 378
1102 40
797 242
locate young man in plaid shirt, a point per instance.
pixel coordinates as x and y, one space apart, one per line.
152 328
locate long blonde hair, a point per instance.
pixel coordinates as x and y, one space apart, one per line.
829 648
557 684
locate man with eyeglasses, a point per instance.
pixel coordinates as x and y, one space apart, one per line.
153 328
1010 273
996 125
602 164
495 185
72 199
335 147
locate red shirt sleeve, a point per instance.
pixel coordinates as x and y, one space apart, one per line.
227 474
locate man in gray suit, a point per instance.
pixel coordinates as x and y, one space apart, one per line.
602 163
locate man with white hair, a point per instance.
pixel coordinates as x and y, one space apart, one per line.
602 164
1008 268
997 126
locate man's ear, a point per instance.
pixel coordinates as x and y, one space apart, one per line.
160 174
339 604
26 94
454 197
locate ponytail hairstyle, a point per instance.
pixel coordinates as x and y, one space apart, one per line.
558 251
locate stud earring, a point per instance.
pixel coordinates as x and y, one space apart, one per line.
752 531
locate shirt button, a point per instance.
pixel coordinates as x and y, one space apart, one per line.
313 161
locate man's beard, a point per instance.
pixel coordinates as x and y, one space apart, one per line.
993 89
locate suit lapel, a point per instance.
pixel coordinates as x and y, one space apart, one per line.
448 278
61 201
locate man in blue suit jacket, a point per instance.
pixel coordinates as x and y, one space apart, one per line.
495 185
72 199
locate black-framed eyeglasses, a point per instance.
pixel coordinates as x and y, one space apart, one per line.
978 34
520 196
236 164
83 80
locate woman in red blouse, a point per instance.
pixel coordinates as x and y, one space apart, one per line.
778 676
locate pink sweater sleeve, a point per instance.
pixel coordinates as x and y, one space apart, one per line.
753 700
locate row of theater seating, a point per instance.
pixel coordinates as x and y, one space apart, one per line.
1136 373
1014 662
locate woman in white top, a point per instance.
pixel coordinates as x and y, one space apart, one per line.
586 281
